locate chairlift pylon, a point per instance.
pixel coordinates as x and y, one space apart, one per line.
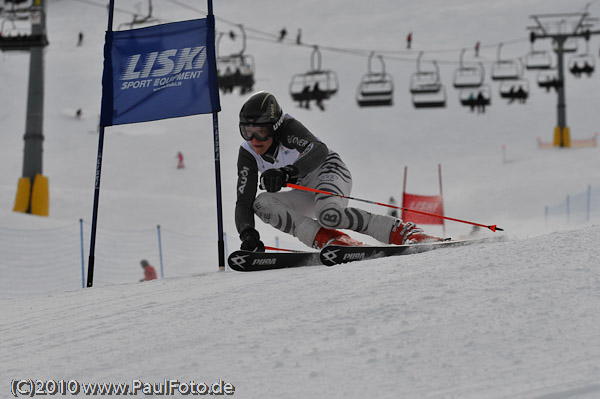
471 75
316 84
375 88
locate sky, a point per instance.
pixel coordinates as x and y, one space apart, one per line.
514 319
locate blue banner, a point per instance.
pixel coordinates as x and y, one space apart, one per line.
159 72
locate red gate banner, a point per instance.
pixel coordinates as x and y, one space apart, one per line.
424 203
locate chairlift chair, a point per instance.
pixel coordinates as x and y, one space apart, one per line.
236 70
584 63
425 81
141 21
18 37
505 69
548 79
22 42
471 75
474 96
317 84
375 88
517 89
569 46
538 59
430 99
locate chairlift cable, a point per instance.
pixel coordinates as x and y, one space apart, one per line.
395 55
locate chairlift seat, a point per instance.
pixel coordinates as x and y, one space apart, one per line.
236 70
515 89
505 70
375 89
582 64
538 59
22 42
548 79
469 76
302 86
425 82
430 99
471 97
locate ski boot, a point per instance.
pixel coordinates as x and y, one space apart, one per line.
326 237
408 233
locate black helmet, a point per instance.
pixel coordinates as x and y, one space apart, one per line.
260 110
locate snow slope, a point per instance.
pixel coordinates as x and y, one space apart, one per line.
515 319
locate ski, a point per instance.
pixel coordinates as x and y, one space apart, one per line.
248 261
336 254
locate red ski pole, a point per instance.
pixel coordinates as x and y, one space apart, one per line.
281 249
493 227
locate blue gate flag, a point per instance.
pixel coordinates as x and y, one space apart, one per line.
158 72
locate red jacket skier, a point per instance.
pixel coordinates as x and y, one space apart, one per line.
149 272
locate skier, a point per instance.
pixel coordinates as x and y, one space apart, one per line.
149 272
180 164
284 151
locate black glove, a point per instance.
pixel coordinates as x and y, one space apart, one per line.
273 180
251 241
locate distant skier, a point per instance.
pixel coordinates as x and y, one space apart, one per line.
80 39
283 151
282 34
180 164
149 272
409 40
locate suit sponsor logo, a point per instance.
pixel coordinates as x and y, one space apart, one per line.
298 141
278 123
243 179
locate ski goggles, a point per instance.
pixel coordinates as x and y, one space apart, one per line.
261 132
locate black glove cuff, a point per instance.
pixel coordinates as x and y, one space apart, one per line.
291 173
249 233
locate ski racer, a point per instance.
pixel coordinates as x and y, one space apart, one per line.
283 151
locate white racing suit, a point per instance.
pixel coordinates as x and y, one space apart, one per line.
296 212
